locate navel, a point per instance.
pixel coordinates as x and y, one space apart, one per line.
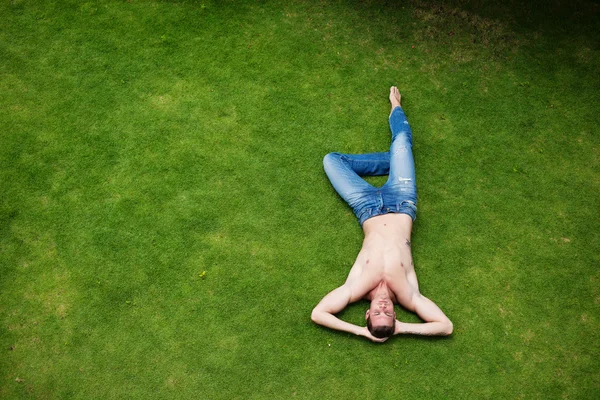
367 261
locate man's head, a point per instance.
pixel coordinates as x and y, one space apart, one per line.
381 319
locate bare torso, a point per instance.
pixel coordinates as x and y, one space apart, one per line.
385 260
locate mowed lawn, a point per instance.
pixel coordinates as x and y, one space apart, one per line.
166 226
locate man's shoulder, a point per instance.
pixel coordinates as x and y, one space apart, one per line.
360 288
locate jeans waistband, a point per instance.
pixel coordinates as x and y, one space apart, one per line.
405 207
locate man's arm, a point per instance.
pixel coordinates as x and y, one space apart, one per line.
334 302
436 323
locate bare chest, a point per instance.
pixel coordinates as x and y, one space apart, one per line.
381 264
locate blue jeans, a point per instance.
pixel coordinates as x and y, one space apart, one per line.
398 195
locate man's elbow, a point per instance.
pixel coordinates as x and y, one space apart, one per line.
314 316
448 328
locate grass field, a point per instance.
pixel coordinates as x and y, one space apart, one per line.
166 226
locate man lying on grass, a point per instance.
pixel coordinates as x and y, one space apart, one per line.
383 271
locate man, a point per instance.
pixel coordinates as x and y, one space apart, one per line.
383 272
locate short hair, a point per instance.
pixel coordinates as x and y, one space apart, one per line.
382 331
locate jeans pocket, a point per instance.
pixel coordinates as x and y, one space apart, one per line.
364 213
409 204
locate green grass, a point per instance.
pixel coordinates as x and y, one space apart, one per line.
166 226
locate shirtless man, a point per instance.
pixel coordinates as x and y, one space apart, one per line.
383 272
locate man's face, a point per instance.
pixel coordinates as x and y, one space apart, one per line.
381 312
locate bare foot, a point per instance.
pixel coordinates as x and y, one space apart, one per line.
395 97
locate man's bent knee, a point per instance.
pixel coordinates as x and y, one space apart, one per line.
330 159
